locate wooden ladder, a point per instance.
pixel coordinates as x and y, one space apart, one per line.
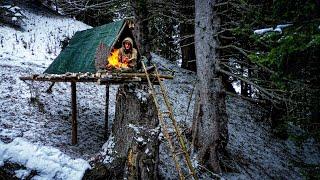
176 149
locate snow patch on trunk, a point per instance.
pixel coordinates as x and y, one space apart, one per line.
107 149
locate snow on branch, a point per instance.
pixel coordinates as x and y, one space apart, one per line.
11 14
278 29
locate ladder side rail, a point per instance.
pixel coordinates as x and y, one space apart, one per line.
163 125
176 127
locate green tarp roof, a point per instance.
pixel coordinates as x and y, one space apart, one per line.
79 55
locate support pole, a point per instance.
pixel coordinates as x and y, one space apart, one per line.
106 116
74 112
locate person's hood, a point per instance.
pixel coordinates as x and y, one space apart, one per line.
127 39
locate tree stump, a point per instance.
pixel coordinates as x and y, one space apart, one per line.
132 150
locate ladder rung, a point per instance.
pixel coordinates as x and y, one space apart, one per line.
176 149
166 115
172 134
187 176
179 153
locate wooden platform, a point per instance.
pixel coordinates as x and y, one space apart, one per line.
101 78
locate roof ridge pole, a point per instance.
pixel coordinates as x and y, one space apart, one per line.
74 139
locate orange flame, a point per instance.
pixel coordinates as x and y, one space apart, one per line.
113 60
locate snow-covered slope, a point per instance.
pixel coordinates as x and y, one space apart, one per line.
254 152
39 43
46 122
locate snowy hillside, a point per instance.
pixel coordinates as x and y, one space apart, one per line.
43 126
26 52
39 43
255 153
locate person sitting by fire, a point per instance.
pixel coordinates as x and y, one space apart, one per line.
128 54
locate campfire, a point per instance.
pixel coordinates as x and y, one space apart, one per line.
113 61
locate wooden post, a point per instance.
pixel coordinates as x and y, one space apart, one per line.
74 112
106 116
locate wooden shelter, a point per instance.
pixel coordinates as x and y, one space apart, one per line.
85 60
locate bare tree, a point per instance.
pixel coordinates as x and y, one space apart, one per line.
210 125
92 12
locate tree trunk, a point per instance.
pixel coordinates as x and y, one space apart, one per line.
243 85
187 42
141 29
134 139
187 47
227 84
210 129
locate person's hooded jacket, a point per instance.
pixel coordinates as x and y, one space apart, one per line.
131 53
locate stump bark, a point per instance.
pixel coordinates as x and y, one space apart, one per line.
132 151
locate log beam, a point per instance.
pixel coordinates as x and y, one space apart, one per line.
74 139
112 78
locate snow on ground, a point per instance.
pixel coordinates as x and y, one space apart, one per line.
49 162
47 121
256 153
180 89
39 42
